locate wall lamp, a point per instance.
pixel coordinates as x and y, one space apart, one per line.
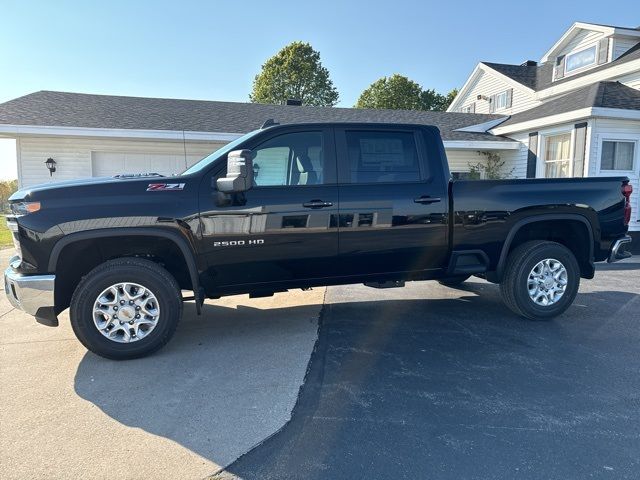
51 165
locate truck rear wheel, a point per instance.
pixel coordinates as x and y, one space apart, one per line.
126 308
540 280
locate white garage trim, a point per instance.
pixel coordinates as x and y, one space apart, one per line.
119 133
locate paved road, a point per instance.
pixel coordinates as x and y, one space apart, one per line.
226 381
433 382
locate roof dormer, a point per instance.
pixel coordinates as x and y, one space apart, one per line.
586 45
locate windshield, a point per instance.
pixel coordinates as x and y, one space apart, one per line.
206 161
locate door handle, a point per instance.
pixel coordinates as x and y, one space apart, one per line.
317 204
426 199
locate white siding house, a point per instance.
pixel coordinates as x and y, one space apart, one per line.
485 84
583 94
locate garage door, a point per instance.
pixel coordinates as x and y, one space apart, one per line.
107 164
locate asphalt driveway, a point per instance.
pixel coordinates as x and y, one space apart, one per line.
429 382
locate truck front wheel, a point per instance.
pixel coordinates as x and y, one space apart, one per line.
540 280
126 308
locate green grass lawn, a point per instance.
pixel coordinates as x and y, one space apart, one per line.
5 234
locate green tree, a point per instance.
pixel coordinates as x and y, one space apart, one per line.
395 92
7 188
435 101
295 72
432 100
450 97
401 93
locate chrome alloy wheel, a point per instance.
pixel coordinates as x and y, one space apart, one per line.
547 282
126 312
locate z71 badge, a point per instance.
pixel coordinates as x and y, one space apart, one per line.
161 187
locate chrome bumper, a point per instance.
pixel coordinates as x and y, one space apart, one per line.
616 254
29 293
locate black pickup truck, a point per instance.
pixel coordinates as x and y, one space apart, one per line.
298 206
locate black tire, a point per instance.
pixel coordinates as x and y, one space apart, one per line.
134 270
454 281
514 285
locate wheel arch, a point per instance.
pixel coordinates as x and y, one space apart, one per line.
587 267
176 239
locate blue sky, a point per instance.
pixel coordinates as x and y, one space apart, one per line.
213 49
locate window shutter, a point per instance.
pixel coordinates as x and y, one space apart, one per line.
603 51
492 103
579 149
559 68
509 98
473 107
532 156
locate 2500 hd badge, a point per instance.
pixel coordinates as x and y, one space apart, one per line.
238 243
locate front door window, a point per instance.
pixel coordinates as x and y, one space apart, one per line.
290 159
557 156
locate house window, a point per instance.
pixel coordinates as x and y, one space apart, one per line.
557 156
617 155
471 108
581 59
501 100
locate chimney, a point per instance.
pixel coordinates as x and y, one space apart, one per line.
294 102
529 63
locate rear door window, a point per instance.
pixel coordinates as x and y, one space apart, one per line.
382 157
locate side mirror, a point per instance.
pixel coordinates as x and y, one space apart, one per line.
239 172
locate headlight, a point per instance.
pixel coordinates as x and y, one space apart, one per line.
22 208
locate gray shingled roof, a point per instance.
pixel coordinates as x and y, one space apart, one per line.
63 109
601 94
527 75
539 77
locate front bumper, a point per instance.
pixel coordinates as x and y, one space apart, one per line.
33 294
616 252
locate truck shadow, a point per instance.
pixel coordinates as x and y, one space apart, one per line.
425 381
604 267
225 377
